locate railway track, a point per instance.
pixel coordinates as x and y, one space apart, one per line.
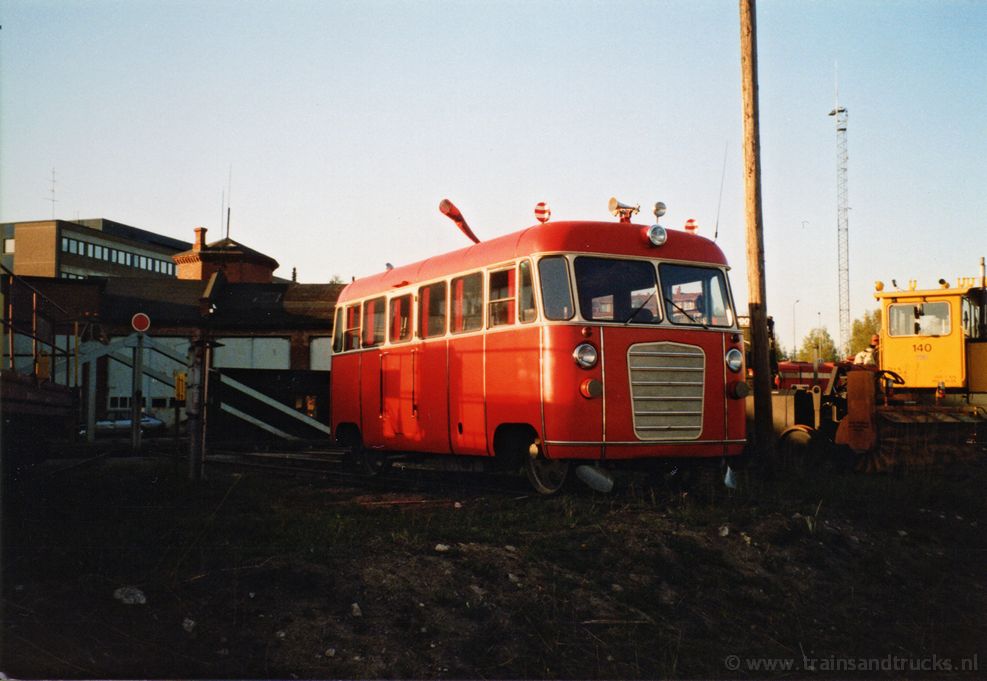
332 465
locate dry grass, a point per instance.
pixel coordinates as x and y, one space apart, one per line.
643 584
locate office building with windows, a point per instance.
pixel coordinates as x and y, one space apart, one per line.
86 248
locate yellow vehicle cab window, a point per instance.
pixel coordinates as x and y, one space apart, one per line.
919 319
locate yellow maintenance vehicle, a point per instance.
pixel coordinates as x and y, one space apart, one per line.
925 400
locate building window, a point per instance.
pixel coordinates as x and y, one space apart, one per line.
128 259
253 353
8 245
319 358
65 244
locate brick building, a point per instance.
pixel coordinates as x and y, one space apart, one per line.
238 263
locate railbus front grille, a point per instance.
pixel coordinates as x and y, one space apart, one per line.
667 381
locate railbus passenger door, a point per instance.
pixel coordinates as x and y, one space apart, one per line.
430 389
399 418
467 414
513 389
372 372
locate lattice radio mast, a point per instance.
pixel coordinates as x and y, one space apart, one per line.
52 198
842 222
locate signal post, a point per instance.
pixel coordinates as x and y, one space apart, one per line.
140 323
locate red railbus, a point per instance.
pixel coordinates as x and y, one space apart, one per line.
564 343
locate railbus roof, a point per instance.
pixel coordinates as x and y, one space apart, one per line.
552 237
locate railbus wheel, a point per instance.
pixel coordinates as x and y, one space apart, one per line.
365 461
370 462
546 476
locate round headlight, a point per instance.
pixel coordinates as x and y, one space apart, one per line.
735 359
657 235
585 355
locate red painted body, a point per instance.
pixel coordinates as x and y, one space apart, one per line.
791 374
450 393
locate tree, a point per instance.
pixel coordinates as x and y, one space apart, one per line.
862 330
818 344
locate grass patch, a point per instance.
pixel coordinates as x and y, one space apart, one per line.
643 584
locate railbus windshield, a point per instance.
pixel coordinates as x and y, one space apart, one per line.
629 291
695 295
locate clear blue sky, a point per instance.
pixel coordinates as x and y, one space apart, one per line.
345 124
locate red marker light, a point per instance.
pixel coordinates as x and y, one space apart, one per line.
542 212
691 226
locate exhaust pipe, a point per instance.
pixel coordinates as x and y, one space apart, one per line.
595 478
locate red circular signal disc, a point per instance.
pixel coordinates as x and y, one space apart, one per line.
141 322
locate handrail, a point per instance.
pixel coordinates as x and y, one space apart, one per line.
21 281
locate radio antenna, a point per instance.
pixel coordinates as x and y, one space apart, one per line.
52 199
719 202
229 197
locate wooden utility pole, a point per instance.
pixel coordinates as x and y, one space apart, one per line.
763 422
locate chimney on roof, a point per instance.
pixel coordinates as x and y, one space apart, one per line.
200 238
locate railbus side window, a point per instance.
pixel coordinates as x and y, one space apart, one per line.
432 310
374 320
501 298
351 337
556 295
526 294
467 303
401 319
337 331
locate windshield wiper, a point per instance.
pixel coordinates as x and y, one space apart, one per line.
641 307
690 317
